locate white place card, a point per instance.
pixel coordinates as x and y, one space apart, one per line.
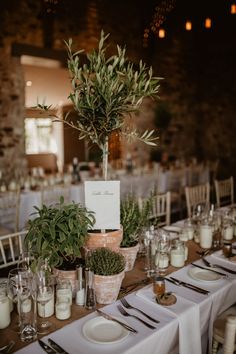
103 197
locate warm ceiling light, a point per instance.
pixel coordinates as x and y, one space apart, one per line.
233 9
28 83
207 23
188 26
161 33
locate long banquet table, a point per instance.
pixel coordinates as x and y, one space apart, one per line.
184 328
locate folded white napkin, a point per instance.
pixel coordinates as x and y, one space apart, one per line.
187 314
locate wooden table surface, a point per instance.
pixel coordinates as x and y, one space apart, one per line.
136 274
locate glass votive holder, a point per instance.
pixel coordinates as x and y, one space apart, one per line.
159 285
206 234
5 317
227 229
177 254
189 228
161 262
63 308
227 249
64 290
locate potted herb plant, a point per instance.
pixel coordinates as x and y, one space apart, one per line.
108 267
133 218
58 233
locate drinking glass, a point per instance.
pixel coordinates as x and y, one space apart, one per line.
45 296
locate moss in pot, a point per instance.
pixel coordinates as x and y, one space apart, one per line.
58 234
108 267
133 218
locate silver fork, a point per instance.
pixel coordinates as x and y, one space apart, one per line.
210 265
128 306
127 314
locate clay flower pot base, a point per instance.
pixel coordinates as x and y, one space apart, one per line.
107 287
110 239
130 254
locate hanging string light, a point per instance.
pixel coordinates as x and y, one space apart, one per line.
188 25
208 23
233 9
161 33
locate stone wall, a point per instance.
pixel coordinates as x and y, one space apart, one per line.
199 83
11 116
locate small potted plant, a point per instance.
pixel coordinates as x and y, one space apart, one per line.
58 233
133 218
108 267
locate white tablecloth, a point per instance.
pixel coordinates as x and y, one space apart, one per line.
179 331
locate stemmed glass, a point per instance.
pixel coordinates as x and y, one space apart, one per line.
45 295
25 260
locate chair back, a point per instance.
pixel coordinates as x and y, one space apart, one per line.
230 335
9 211
161 208
10 248
195 195
224 191
51 195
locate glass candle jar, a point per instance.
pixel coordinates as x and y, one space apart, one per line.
206 234
63 309
64 290
189 228
177 254
227 229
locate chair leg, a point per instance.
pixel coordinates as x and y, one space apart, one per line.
214 346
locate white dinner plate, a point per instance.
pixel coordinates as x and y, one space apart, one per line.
101 331
203 275
174 229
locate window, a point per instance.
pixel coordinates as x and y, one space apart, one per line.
39 136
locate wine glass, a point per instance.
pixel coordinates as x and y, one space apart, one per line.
25 260
45 300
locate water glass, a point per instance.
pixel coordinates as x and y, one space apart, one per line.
27 307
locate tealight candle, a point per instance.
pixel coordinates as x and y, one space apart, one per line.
5 317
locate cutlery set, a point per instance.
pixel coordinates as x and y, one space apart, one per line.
187 285
53 348
211 265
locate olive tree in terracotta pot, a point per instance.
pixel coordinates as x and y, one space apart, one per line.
57 234
105 93
133 218
108 267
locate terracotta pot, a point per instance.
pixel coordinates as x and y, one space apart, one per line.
70 275
110 239
107 287
130 254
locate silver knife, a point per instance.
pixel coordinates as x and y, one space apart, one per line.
110 318
188 286
211 270
46 347
57 347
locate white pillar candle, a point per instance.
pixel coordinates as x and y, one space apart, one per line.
206 236
48 309
183 236
163 261
26 305
63 310
185 253
5 317
80 294
228 232
177 258
190 232
3 295
234 227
